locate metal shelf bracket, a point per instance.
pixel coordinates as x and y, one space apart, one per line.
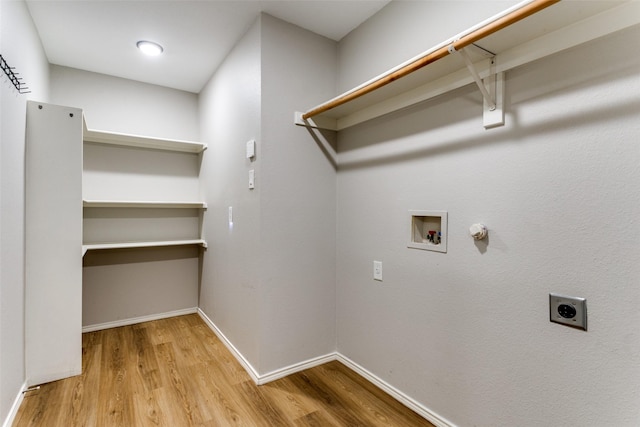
492 89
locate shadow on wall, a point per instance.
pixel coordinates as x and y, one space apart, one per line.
418 126
402 153
327 142
483 244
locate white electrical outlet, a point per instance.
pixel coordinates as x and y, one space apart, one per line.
377 270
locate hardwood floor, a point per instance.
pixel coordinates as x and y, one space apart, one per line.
176 372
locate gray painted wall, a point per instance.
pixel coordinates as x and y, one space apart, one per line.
403 30
126 284
467 333
269 281
115 104
230 115
21 47
298 199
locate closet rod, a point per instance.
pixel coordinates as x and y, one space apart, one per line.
492 27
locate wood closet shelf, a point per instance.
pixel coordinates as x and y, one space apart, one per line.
552 28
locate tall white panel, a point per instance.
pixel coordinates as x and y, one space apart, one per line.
53 299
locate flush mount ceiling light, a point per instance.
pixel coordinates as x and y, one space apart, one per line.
149 48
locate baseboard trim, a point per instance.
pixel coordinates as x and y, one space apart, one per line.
239 357
253 373
401 397
281 373
11 416
277 374
134 320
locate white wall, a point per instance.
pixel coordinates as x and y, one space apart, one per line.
127 284
269 281
20 46
467 333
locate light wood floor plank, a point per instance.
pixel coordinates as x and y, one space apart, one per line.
314 419
360 393
224 409
285 394
259 407
335 407
177 386
176 373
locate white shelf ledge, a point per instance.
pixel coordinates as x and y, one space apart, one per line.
142 204
561 26
127 140
128 245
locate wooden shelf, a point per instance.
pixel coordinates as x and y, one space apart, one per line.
142 204
558 27
127 245
127 140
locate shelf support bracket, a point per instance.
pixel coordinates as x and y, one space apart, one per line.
490 100
495 85
315 122
492 89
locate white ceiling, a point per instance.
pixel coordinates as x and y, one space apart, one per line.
101 35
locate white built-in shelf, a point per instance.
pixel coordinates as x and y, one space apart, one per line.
128 245
127 140
143 204
558 27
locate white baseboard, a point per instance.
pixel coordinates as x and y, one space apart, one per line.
241 359
281 373
134 320
11 416
253 373
401 397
